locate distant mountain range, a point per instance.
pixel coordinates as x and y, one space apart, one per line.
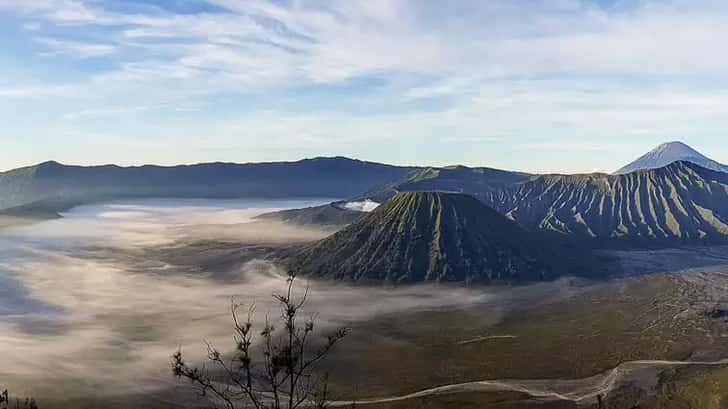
320 177
661 201
681 202
668 153
427 236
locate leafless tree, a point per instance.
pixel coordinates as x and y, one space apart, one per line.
279 375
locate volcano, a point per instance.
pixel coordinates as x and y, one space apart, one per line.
427 236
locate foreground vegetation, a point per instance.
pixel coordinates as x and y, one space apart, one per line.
693 387
281 376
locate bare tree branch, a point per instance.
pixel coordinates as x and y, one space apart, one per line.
281 375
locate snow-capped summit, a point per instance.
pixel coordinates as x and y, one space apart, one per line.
668 153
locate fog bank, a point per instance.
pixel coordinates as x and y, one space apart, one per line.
76 321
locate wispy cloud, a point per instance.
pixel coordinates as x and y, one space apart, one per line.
76 48
326 42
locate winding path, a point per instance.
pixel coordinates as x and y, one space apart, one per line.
578 390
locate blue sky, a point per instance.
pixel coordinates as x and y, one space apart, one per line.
535 85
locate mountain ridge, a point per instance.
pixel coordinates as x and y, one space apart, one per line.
336 177
682 202
55 163
679 203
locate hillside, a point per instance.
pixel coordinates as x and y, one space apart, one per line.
681 202
668 153
320 177
462 179
328 216
426 236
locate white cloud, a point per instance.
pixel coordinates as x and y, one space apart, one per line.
76 48
67 11
264 42
325 42
514 69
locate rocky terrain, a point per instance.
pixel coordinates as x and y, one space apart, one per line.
679 203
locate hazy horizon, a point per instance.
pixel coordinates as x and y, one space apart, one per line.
172 164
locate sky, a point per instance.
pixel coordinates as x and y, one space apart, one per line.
533 85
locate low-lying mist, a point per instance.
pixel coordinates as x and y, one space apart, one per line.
89 307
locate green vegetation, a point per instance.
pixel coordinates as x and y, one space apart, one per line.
681 387
693 388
